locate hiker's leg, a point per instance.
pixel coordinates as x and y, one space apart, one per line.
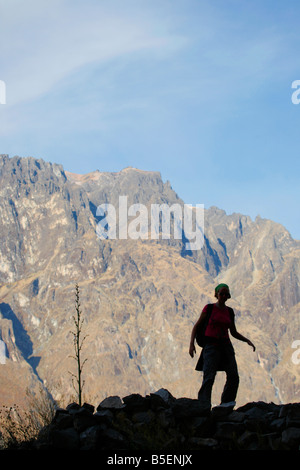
232 377
210 365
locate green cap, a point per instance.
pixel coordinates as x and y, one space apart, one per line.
220 286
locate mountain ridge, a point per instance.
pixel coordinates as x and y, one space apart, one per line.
139 298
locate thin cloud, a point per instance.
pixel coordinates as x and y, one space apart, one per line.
44 42
151 84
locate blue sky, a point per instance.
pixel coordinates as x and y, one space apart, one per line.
197 90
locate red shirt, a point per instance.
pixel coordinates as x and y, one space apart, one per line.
219 322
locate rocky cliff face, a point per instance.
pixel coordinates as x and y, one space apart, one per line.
139 298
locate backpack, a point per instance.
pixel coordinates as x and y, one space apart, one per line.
200 332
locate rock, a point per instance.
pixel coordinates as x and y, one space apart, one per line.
135 402
236 417
72 407
221 411
63 420
271 441
228 430
246 440
291 438
111 402
157 402
104 416
165 395
113 440
144 417
83 419
88 407
202 426
188 407
165 419
198 443
66 439
177 426
89 438
278 424
292 414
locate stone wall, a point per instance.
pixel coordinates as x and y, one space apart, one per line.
159 422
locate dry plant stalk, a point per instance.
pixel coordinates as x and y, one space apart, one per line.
78 342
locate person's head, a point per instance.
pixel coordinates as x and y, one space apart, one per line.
222 292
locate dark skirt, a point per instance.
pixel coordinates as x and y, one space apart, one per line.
226 352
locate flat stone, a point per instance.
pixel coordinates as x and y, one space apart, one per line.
165 395
188 407
135 402
73 407
63 420
104 416
111 402
88 407
219 411
83 419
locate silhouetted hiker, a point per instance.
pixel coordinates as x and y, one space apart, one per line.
218 353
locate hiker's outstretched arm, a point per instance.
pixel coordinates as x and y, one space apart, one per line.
240 337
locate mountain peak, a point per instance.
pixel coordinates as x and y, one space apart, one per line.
140 298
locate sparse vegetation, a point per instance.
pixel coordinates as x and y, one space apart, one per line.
19 426
23 425
78 342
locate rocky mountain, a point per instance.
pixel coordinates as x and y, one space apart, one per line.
139 297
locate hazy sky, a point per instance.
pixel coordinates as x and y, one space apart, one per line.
197 90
